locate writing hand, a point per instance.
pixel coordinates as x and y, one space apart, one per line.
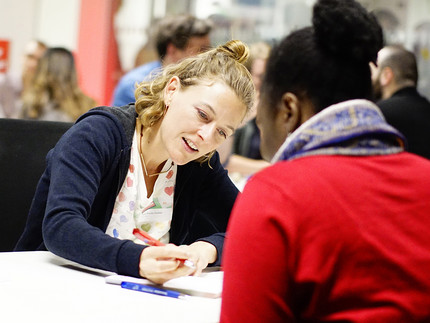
201 254
162 263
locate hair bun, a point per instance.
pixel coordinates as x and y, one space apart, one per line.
346 30
235 49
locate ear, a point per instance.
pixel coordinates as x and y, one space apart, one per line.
387 76
289 113
172 86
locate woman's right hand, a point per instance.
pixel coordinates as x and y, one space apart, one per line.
160 264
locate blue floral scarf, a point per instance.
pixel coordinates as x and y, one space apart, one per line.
353 128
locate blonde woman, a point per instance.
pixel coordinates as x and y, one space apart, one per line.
54 93
151 165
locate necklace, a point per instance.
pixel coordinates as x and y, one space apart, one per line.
143 160
155 174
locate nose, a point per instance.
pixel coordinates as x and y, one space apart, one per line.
206 132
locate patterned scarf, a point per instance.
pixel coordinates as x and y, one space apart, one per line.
354 128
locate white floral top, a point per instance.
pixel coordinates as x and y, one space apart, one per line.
134 210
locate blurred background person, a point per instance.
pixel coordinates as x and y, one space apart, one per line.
242 151
395 81
256 64
176 37
12 86
54 93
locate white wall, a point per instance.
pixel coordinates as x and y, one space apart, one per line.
58 22
17 21
419 11
55 22
131 24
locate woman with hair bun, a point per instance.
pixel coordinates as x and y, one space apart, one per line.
151 165
336 230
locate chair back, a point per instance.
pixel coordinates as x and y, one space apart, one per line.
24 145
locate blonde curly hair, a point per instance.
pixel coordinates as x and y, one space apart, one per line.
223 63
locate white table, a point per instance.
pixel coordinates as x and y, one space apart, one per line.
41 287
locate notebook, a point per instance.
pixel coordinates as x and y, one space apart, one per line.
208 284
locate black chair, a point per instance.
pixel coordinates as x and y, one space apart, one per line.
23 148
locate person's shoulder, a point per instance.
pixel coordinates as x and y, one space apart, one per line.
386 104
405 98
139 73
274 175
296 172
124 90
122 117
414 162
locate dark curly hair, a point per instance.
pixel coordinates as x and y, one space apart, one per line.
328 62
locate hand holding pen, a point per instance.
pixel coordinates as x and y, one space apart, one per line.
145 237
160 263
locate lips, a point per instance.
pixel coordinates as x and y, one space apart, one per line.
190 144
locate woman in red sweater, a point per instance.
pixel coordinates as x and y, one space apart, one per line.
338 228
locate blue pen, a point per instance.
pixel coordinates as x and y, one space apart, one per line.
152 290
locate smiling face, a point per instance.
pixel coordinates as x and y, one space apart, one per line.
198 119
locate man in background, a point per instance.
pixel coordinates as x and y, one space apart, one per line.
395 81
12 86
176 38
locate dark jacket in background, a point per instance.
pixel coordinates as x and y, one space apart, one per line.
409 112
247 140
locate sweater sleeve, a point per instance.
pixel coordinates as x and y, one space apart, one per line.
76 167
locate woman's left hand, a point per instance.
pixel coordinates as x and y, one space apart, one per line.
202 253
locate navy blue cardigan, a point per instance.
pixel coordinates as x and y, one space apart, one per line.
75 196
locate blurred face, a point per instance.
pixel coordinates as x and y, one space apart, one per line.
257 72
195 46
376 82
33 53
198 119
272 132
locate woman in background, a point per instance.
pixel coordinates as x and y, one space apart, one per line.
337 230
13 86
54 93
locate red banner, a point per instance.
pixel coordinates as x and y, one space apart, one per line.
4 55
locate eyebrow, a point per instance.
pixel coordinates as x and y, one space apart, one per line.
213 111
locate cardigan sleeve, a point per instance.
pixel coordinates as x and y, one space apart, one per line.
77 165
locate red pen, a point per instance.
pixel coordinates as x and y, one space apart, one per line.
145 237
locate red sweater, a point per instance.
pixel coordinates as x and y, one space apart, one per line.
331 238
